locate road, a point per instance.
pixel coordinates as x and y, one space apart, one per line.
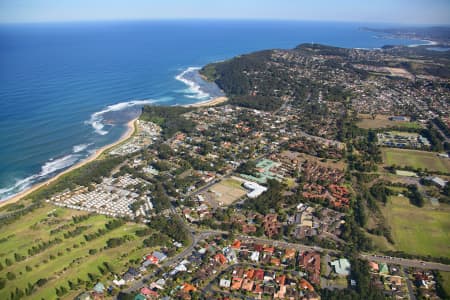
407 262
372 257
408 285
138 284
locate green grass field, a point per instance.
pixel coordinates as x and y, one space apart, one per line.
65 261
415 159
233 183
382 121
415 230
446 278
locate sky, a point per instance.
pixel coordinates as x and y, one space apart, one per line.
383 11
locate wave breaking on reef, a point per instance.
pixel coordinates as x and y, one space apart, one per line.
96 120
194 89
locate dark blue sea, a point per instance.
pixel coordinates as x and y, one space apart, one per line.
67 89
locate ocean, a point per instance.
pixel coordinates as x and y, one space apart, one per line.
67 89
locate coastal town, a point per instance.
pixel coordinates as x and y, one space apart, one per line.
299 186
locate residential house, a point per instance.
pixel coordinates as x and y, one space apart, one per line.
310 261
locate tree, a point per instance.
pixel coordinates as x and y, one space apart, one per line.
415 196
41 281
10 276
248 167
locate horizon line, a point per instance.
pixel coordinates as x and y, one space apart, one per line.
218 19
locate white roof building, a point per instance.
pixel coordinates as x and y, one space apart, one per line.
225 283
255 256
439 181
255 189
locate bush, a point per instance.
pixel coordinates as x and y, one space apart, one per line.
2 282
10 276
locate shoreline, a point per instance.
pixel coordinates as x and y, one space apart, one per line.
211 102
131 129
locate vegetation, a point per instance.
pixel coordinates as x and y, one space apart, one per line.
173 227
257 102
170 118
229 75
271 199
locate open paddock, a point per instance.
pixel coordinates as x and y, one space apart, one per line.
418 230
416 159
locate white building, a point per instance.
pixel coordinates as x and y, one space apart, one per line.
255 189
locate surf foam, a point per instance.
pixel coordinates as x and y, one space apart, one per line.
96 118
194 89
81 147
47 169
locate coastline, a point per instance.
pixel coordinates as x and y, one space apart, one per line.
131 128
212 102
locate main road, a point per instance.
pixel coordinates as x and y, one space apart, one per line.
372 257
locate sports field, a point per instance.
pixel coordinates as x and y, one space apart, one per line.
228 190
382 121
424 231
67 260
416 159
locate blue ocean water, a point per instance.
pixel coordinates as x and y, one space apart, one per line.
62 84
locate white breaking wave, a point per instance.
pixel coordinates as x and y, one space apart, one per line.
58 164
97 118
194 89
48 168
81 147
424 43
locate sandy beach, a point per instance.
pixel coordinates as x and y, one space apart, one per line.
130 130
211 102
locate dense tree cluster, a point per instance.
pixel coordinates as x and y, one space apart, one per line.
172 227
257 102
116 242
415 196
170 118
271 199
231 76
